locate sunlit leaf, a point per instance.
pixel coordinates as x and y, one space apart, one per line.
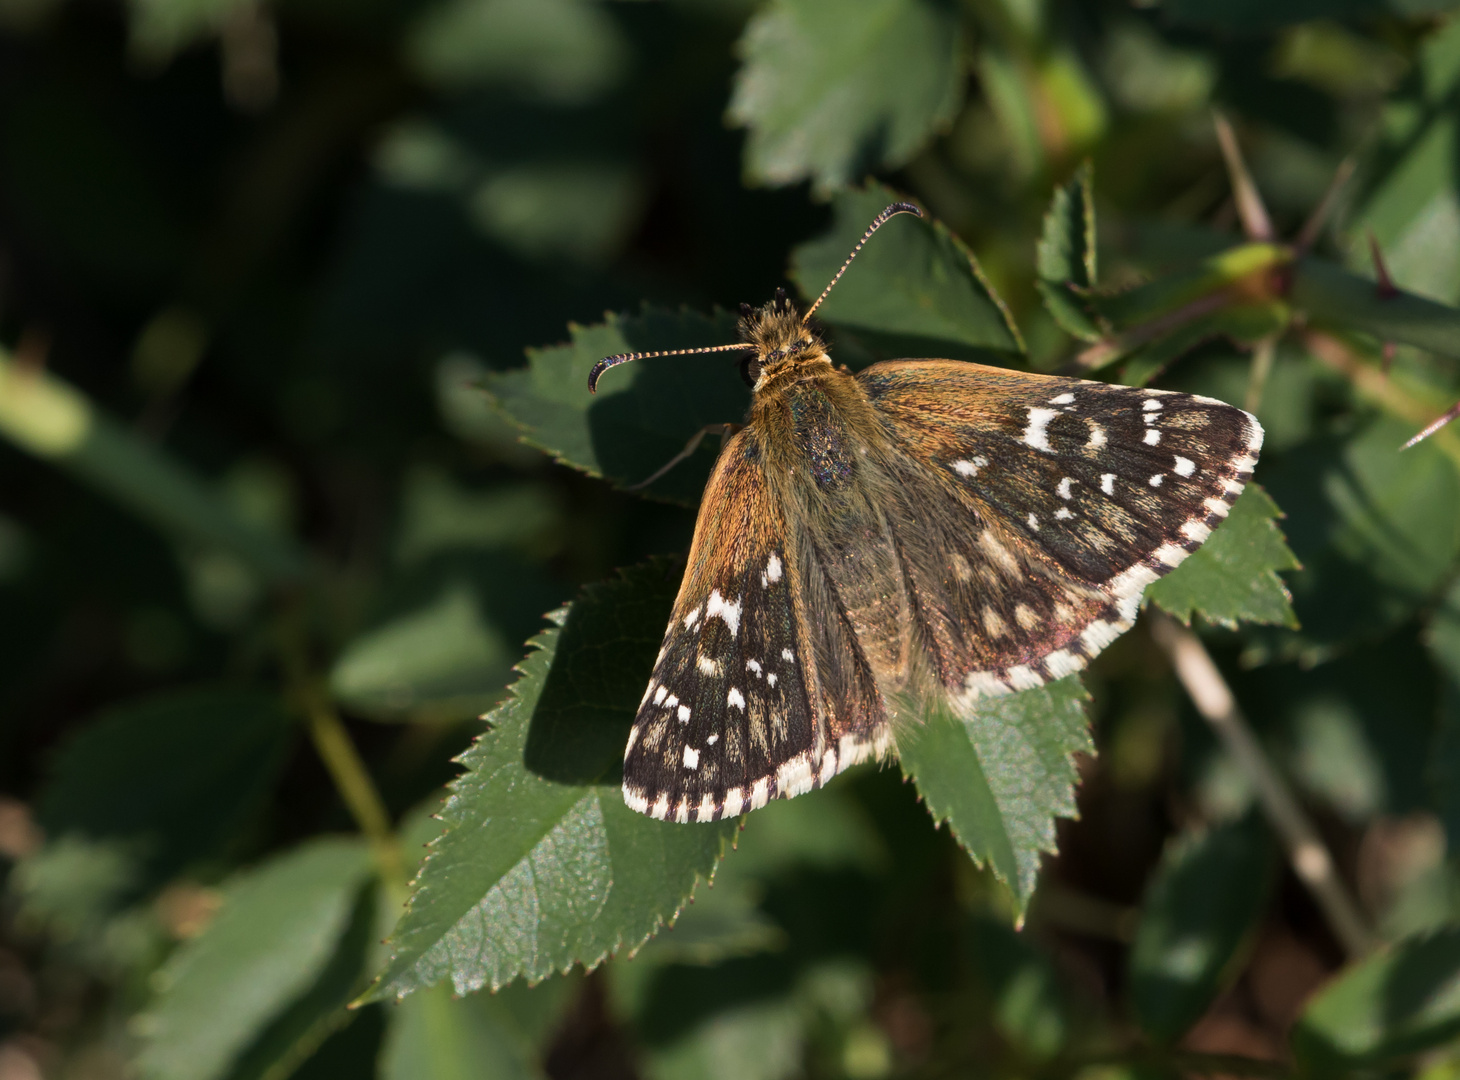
831 92
543 866
1233 577
1385 1009
1001 773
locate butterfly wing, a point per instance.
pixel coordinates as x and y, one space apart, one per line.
1032 511
740 709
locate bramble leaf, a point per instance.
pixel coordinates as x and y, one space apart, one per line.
1001 774
1233 577
831 92
1066 254
916 283
644 413
542 865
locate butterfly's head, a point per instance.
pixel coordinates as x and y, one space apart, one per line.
781 338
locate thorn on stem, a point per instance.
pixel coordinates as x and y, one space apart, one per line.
1385 286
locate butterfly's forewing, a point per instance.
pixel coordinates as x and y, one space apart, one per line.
1032 511
735 713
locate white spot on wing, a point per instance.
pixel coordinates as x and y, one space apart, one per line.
1063 490
788 656
689 620
753 666
684 714
707 666
1155 481
713 739
1184 466
671 701
1152 437
735 700
1097 437
1107 483
659 695
1063 399
773 569
771 678
1150 405
1034 433
1064 513
965 468
1033 521
691 758
727 610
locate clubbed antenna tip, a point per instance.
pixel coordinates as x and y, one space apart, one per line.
877 223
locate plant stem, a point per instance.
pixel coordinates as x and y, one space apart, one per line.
1306 851
347 769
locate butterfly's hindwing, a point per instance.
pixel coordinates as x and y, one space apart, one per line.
736 712
1032 511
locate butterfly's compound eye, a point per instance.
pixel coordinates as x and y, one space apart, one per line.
750 370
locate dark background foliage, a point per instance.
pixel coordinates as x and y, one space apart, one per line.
283 287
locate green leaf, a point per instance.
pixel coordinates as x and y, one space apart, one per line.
1233 577
831 92
1335 297
233 743
1255 15
914 283
1022 987
1066 254
161 28
543 866
443 650
1410 205
273 938
1200 910
643 414
568 51
433 1036
1001 773
1379 1012
322 1010
1376 531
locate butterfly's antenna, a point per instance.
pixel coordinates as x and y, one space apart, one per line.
623 358
877 223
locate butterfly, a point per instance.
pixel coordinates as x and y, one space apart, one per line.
920 529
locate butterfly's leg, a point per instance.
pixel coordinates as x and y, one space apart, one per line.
725 430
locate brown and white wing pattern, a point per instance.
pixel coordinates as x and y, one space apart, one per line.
1031 511
736 712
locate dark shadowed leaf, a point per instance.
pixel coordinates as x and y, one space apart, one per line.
644 413
1256 15
1001 774
543 866
223 749
435 1036
1385 1009
1376 531
443 648
272 940
1233 577
1022 988
1200 910
915 285
831 92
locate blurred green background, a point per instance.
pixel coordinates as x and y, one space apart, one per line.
258 264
